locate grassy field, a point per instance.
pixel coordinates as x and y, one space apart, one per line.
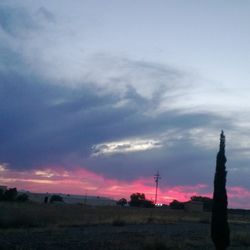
26 226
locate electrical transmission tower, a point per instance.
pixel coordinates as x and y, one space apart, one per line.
156 178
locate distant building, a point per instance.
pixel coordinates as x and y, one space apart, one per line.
73 199
193 206
4 188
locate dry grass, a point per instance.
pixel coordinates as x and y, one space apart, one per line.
131 228
242 238
178 242
14 215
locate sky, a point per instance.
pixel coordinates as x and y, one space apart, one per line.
97 96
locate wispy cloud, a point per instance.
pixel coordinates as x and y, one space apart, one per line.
82 181
126 146
63 101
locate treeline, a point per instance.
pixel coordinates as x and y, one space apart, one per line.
136 200
207 203
11 194
139 200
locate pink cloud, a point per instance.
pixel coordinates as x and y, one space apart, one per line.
78 180
238 197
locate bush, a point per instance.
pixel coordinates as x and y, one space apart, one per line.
10 194
22 198
122 202
176 204
139 200
56 197
1 194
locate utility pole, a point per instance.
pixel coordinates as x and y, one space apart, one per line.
156 178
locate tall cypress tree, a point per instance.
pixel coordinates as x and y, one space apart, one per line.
219 226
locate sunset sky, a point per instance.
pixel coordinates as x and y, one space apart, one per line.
97 96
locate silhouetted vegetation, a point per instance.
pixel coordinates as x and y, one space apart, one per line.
122 202
176 204
22 198
8 195
1 194
219 227
11 195
56 198
139 200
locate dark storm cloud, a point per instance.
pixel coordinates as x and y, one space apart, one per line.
40 122
20 22
14 20
44 124
15 17
47 122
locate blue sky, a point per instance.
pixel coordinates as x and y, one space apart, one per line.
124 88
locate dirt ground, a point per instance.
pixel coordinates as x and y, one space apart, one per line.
185 235
31 226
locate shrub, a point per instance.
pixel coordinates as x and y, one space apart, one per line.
56 197
139 200
10 194
1 194
22 198
176 204
122 202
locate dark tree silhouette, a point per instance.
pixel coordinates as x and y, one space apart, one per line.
56 197
1 194
139 200
122 202
10 194
176 204
219 226
22 198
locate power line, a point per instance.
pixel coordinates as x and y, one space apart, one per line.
157 177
